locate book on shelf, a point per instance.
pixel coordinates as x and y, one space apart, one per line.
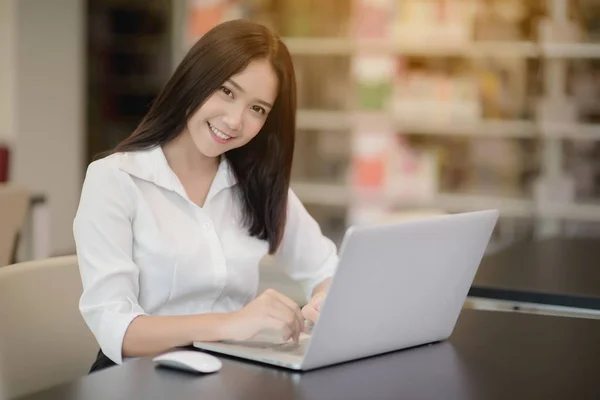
369 151
372 18
440 22
373 81
203 15
384 165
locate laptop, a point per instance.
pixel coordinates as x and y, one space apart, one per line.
398 285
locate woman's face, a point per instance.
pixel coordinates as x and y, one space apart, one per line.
234 114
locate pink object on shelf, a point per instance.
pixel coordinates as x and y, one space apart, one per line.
372 19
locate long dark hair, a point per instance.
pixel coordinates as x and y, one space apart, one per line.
262 167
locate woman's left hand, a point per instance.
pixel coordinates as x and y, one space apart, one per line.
312 310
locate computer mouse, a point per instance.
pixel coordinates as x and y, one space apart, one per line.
189 360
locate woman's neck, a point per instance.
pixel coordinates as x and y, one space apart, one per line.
184 158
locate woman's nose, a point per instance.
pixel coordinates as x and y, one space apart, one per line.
233 118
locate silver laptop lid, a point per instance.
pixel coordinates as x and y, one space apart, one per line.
399 285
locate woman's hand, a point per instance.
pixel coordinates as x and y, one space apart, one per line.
269 311
312 310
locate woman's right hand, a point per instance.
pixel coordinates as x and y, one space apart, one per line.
271 310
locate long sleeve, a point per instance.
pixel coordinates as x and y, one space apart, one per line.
103 237
305 253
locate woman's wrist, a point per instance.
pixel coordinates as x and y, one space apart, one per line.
322 287
214 327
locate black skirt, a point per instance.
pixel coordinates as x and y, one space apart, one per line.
102 362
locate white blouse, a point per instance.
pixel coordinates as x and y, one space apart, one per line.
145 249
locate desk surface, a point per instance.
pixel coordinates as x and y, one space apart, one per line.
562 272
491 355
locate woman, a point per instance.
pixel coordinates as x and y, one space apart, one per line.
172 224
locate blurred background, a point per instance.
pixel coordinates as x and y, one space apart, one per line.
405 106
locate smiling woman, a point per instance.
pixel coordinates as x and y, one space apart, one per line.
173 222
205 86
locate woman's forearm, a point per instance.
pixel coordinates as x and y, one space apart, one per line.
150 335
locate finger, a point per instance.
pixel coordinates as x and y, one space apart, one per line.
318 300
310 313
289 302
319 303
282 312
293 306
308 327
296 319
280 326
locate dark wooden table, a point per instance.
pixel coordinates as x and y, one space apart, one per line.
490 355
557 272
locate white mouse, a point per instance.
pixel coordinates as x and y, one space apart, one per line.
189 360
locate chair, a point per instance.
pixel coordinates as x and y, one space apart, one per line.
14 201
44 340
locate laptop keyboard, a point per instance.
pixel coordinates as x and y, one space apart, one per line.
290 347
286 347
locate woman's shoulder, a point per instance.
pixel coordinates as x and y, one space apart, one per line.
106 180
116 169
107 167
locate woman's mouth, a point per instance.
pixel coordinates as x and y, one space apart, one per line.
218 135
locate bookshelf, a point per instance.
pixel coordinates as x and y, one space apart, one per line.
510 135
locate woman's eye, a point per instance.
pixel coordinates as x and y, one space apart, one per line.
259 110
226 91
